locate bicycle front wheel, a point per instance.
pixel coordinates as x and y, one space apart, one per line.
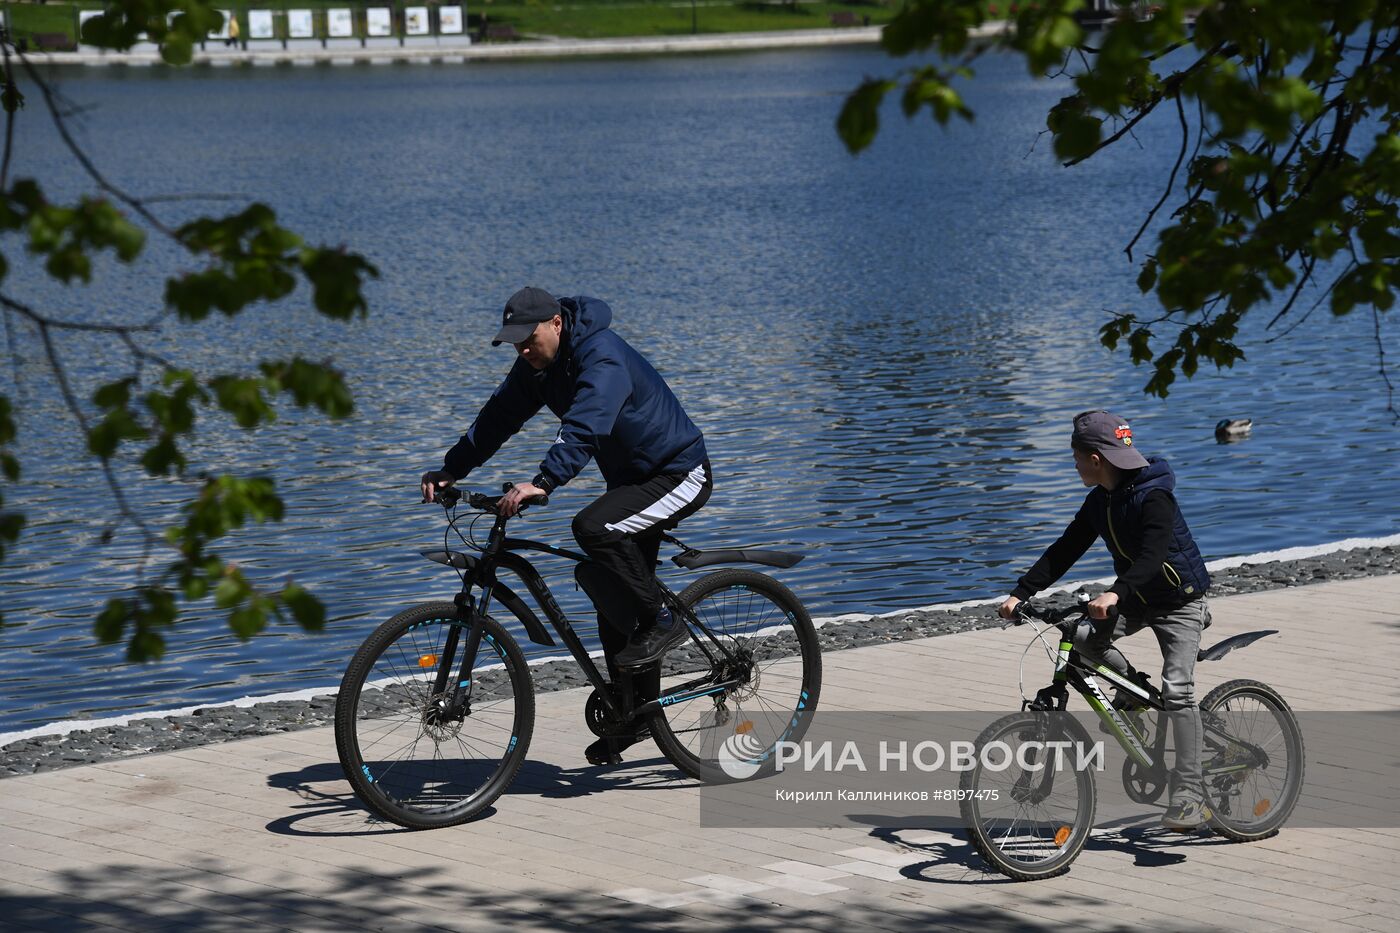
407 760
1252 757
1030 819
760 643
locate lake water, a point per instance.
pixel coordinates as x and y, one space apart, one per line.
884 352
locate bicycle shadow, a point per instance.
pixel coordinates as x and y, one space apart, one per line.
329 808
952 858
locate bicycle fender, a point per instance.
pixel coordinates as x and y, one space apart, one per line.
694 560
1217 651
503 594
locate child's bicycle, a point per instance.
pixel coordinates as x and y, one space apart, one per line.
1030 822
435 712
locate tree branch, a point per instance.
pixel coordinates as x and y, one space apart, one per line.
9 119
1170 88
132 202
60 324
1171 182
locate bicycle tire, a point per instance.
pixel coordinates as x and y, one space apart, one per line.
441 790
977 813
1226 793
732 736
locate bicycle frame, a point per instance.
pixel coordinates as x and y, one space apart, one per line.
1073 670
499 553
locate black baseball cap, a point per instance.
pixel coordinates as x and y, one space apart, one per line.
1108 434
526 308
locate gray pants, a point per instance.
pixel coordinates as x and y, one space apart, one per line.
1178 633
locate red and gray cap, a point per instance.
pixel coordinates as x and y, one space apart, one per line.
526 308
1109 435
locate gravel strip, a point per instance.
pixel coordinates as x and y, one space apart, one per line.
215 724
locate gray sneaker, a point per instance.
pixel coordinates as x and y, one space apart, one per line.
1186 815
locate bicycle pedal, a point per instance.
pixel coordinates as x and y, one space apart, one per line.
603 752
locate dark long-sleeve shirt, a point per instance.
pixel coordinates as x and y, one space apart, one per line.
1158 512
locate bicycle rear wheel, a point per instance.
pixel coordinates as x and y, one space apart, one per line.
404 760
1253 779
1029 823
730 734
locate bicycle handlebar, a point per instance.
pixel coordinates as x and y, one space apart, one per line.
1025 612
450 496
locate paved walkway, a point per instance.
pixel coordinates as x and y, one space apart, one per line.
272 54
262 834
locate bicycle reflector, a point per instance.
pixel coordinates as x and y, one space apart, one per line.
1262 807
1061 836
744 728
428 660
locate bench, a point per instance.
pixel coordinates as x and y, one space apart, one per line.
499 32
844 18
52 42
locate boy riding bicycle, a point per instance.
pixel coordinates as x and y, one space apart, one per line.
1161 584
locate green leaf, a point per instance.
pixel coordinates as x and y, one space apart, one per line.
111 623
308 611
145 645
164 457
177 49
337 278
1077 135
1147 278
244 399
231 591
11 523
114 394
119 425
11 99
310 384
859 120
248 620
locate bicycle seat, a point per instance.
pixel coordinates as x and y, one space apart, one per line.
692 559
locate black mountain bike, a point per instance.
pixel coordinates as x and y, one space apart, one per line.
1031 820
436 709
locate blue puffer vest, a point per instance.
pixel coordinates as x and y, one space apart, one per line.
1117 517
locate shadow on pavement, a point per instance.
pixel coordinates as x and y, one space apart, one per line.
204 896
329 808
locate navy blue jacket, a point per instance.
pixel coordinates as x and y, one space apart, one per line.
1154 555
612 405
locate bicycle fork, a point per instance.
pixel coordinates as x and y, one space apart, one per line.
450 698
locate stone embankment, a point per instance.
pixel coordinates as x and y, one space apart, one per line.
548 48
224 723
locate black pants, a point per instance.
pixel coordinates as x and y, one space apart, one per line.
621 533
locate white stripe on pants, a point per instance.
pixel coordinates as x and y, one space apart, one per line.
665 507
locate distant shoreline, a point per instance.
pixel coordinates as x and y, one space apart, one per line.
76 742
551 48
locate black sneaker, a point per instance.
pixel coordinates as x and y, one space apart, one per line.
1186 815
648 645
608 751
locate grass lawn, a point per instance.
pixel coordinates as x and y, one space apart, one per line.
598 21
567 18
26 19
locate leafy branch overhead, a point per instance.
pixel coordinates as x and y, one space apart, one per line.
1288 165
151 406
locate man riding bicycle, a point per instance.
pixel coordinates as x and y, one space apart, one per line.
615 408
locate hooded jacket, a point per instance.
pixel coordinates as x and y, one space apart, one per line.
612 405
1154 555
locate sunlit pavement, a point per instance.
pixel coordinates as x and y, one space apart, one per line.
264 833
